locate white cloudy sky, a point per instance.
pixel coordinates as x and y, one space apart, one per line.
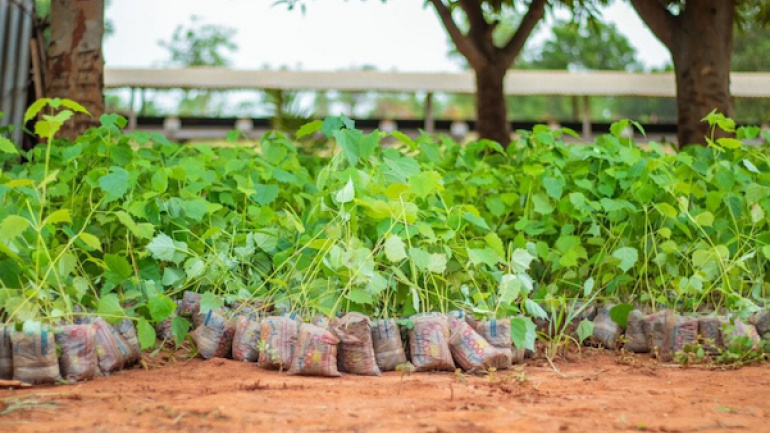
401 35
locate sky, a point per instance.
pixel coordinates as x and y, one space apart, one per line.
400 35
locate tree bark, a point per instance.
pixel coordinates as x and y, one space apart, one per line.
700 39
492 113
702 49
75 62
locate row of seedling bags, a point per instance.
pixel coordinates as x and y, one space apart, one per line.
351 343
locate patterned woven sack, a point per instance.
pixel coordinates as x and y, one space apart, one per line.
636 339
741 329
189 304
127 330
470 350
429 344
460 314
387 343
316 352
654 326
246 340
680 332
279 335
111 349
354 330
78 360
214 337
498 334
6 353
710 333
762 322
34 356
606 331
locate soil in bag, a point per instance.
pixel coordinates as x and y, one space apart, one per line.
460 314
470 350
498 334
127 330
762 322
429 344
316 352
387 343
77 344
6 353
654 326
710 333
214 337
636 339
34 356
189 304
111 349
246 340
680 332
354 330
279 335
606 331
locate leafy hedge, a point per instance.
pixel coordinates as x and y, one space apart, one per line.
381 223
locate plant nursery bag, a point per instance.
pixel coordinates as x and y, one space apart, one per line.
498 334
741 329
127 330
761 321
6 353
214 337
387 344
246 340
606 331
279 335
354 330
429 343
710 333
681 331
316 352
654 326
34 356
189 304
77 345
111 348
470 350
636 339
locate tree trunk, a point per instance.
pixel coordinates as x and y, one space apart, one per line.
75 62
491 111
701 49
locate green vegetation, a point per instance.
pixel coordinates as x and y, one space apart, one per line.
122 223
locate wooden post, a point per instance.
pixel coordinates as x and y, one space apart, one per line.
430 123
586 118
132 112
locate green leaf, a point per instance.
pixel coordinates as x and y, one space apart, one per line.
523 333
729 143
160 307
159 181
162 247
619 314
627 256
425 261
535 309
210 302
475 220
180 327
194 268
585 329
109 308
309 128
400 136
141 231
266 194
494 242
347 193
359 296
7 146
118 268
115 184
91 241
12 227
59 216
588 287
542 205
521 260
426 183
74 106
146 334
487 256
394 249
705 219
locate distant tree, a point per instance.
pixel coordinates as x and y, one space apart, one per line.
751 53
699 36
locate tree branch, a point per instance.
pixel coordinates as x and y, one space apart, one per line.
461 41
514 46
658 19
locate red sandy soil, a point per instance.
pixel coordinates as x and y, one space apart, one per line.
595 394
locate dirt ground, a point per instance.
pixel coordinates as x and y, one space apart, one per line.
595 394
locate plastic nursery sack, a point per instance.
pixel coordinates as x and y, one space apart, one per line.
762 322
654 326
246 340
429 344
164 330
279 335
316 352
34 356
459 314
388 347
214 337
498 334
636 339
78 360
710 333
6 353
111 348
741 329
680 332
354 330
606 331
189 304
127 330
470 350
